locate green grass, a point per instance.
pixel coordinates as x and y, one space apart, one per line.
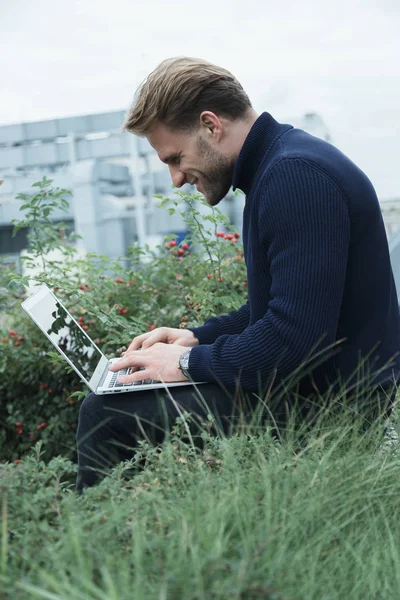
249 517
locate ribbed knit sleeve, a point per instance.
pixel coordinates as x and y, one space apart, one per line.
300 222
234 322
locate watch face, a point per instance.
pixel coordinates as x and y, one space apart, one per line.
184 360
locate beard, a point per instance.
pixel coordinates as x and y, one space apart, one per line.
217 172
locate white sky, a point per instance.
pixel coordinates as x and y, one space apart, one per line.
340 58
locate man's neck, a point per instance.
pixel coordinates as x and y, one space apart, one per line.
238 130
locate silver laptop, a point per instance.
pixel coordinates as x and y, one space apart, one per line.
78 349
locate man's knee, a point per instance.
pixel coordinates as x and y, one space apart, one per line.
93 421
92 414
91 404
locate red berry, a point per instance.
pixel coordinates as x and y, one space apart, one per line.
237 235
4 340
185 246
180 252
17 343
80 320
85 327
229 236
44 386
18 424
209 276
245 283
20 431
16 461
124 311
12 333
220 234
119 280
43 425
173 243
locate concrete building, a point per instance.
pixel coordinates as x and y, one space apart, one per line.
391 216
109 173
113 177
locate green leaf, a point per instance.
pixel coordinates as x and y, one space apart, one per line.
17 228
103 318
78 394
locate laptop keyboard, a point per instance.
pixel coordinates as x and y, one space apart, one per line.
113 381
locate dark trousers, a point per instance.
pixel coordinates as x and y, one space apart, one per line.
111 425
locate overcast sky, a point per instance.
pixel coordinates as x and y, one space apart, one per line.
339 58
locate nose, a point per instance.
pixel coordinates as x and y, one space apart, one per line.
177 176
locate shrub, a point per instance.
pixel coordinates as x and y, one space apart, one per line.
177 285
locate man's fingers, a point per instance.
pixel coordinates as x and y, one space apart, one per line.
137 376
156 336
135 360
138 341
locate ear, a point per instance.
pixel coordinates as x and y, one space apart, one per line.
211 123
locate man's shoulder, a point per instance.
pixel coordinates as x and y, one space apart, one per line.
290 166
299 153
300 148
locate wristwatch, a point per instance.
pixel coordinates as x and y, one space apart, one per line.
184 363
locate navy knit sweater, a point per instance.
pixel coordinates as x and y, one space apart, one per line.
319 274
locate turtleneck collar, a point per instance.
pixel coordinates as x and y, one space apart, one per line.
260 139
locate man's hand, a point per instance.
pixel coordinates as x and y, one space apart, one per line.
166 335
160 362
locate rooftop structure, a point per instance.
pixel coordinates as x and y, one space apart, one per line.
109 173
113 177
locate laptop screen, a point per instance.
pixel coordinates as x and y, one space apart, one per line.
65 333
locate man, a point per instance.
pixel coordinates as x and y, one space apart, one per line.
322 309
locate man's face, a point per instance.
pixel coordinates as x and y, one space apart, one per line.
194 159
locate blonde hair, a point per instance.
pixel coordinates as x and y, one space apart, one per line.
178 90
